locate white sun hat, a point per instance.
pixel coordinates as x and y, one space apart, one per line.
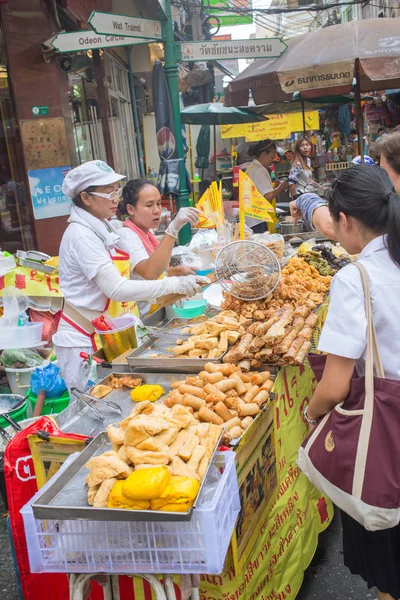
94 172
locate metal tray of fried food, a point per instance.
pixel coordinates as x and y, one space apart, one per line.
66 499
155 354
78 418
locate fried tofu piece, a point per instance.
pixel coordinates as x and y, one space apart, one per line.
115 434
103 494
106 466
154 445
139 457
180 468
100 391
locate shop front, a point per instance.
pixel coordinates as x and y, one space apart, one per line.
57 111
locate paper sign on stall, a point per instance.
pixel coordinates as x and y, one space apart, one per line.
252 203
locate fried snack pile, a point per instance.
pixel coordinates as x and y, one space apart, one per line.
300 285
223 395
117 383
152 436
279 328
211 338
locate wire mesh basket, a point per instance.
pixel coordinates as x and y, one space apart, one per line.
247 270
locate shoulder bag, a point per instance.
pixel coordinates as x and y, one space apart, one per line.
353 454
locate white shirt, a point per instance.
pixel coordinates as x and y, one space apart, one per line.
261 178
131 242
345 330
82 254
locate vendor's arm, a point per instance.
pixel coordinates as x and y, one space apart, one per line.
120 289
343 337
282 187
153 266
98 266
148 267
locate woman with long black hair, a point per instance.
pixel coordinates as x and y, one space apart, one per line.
365 214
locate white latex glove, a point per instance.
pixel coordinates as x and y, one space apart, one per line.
190 285
184 216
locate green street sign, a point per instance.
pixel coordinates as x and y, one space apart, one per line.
216 8
40 110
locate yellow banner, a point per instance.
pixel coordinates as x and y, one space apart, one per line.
278 127
252 203
288 534
32 282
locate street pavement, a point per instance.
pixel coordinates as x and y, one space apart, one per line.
325 579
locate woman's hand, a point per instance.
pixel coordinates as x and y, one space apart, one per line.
180 271
294 211
184 216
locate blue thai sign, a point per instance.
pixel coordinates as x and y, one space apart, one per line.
48 199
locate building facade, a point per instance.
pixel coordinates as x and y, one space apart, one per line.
58 111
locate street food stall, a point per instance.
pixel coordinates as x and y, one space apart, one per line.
232 384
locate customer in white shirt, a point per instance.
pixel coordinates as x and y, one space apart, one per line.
88 278
365 212
264 153
149 258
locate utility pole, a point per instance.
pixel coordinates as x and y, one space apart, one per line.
171 72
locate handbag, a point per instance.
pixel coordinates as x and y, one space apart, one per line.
353 454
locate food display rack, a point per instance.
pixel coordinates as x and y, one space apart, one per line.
91 546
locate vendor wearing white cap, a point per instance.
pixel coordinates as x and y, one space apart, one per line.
89 279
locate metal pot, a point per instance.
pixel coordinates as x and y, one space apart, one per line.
290 228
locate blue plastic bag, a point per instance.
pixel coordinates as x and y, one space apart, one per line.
48 378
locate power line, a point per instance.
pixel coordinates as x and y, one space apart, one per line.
278 11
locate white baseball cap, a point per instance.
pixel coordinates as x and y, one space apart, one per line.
94 172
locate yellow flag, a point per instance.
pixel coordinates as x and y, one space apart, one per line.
251 202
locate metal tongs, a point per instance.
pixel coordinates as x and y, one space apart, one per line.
83 395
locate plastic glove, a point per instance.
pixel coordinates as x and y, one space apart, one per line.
184 216
190 285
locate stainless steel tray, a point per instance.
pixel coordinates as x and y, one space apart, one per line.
78 418
155 353
67 497
38 266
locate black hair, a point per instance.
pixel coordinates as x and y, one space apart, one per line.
131 193
353 131
389 146
366 193
260 147
381 128
78 200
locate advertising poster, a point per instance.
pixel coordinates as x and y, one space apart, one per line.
48 200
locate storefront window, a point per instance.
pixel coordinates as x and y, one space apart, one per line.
15 210
121 122
88 132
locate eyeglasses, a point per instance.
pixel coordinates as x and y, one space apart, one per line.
111 196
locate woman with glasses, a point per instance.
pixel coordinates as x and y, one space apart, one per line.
149 258
89 278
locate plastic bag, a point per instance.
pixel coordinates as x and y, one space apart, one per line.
204 239
23 357
15 303
273 241
48 378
